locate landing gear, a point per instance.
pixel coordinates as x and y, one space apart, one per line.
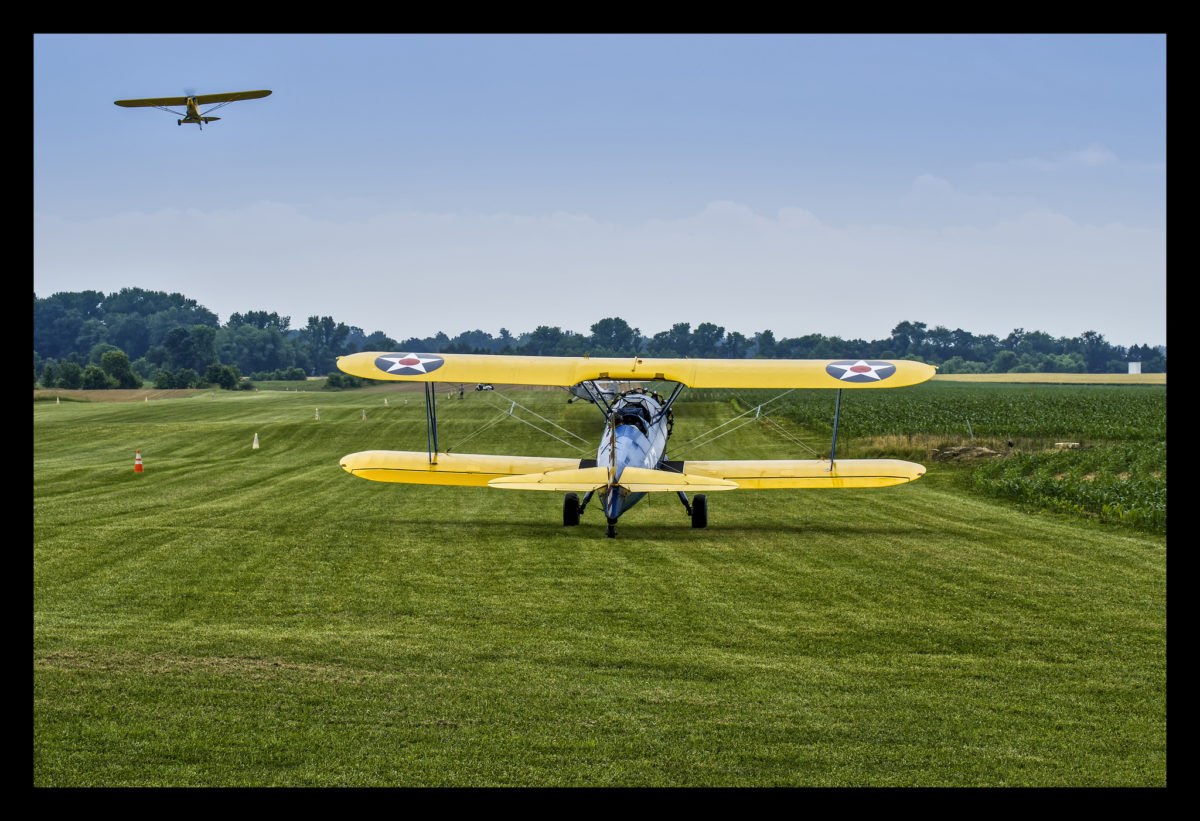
612 529
571 510
699 511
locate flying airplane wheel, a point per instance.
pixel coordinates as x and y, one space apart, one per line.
699 511
571 510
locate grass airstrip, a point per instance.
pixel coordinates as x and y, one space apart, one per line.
257 617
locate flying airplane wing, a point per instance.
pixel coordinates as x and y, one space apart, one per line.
155 102
203 99
695 373
231 97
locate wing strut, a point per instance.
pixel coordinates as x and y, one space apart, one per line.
431 441
836 409
679 386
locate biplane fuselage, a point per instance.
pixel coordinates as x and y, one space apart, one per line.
634 436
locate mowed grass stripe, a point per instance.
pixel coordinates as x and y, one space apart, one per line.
259 617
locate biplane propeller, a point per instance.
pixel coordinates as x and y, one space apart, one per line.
191 104
631 459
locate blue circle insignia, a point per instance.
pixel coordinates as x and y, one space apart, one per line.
860 370
408 364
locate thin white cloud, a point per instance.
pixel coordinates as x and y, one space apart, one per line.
410 273
1089 156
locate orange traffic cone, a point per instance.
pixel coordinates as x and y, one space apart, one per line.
137 462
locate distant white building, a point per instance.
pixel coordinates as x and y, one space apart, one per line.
1135 367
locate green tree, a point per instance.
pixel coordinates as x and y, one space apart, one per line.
116 365
613 336
325 341
764 344
227 377
544 341
735 346
94 379
70 375
1004 362
706 341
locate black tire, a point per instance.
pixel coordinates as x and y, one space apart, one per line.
571 510
699 511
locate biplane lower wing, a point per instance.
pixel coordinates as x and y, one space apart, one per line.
463 469
767 474
565 371
568 474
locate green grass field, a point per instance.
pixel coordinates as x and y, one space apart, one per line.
248 617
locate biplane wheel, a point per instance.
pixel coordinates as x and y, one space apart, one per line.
571 510
699 511
612 529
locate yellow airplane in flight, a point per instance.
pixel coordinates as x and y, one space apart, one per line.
631 459
192 114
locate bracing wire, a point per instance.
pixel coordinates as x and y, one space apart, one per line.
508 413
539 416
695 442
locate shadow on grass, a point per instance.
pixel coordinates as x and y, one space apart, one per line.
482 532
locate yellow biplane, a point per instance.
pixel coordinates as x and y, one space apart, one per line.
192 112
631 459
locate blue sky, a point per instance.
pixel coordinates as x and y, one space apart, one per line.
835 184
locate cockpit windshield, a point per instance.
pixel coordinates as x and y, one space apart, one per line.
634 415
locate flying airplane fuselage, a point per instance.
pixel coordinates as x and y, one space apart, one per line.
635 436
194 115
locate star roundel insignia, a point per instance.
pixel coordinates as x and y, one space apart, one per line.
408 364
860 370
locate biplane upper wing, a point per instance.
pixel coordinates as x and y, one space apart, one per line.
203 99
764 474
695 373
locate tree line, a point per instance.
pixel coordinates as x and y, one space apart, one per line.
126 339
